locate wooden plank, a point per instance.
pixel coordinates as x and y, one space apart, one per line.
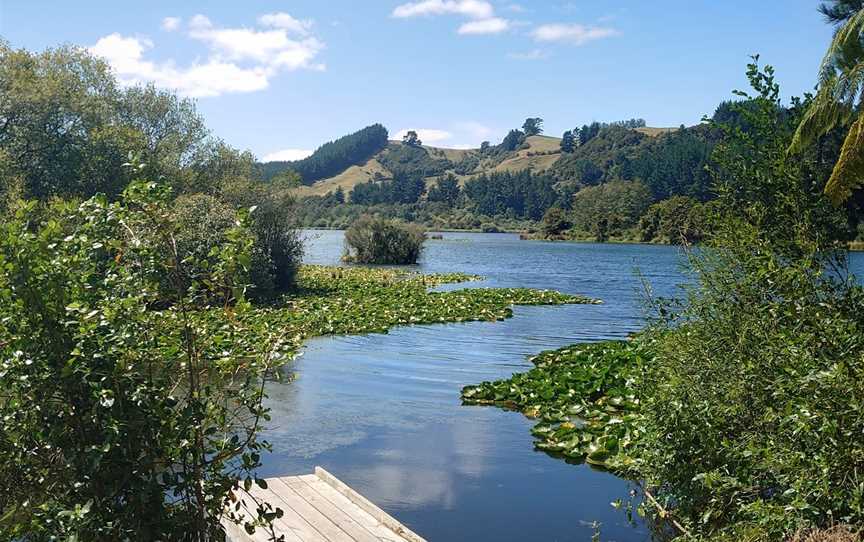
291 524
330 530
361 516
343 517
236 533
366 505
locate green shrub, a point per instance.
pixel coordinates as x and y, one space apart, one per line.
119 422
753 401
555 222
380 241
278 249
201 225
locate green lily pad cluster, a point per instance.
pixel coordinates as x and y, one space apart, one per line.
582 397
356 300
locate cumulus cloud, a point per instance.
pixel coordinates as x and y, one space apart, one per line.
287 22
476 9
576 34
475 130
428 136
481 13
457 135
239 59
495 25
287 155
170 24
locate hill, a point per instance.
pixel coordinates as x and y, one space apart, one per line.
538 153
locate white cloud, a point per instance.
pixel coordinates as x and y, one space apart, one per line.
427 135
576 34
239 59
535 54
495 25
481 13
287 155
476 9
126 57
475 130
170 24
287 22
265 46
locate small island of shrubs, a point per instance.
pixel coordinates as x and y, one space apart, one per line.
375 240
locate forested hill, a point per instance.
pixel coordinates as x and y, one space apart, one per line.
333 157
367 156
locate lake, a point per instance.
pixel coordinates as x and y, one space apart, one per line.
382 412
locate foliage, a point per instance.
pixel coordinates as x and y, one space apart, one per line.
412 161
555 222
582 399
334 157
403 188
611 208
838 102
201 225
411 139
599 158
278 248
532 126
752 403
67 129
56 123
381 241
358 300
446 191
521 194
677 220
568 142
120 422
674 164
512 141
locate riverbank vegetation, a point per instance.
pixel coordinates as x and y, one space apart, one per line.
738 408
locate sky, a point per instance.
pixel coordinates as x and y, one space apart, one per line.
280 78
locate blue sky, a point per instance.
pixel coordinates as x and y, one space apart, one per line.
281 77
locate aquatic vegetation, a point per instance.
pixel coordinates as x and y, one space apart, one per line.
354 300
583 399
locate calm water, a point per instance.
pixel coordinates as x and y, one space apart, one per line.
382 412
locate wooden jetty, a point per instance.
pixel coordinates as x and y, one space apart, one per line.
321 508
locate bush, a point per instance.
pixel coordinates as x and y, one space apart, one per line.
555 222
677 220
753 401
379 241
278 249
611 208
119 422
201 225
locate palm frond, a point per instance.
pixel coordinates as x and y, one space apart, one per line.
841 80
824 114
846 49
839 11
848 172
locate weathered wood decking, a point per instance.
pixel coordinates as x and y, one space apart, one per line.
320 508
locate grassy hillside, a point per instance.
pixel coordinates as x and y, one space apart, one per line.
539 154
